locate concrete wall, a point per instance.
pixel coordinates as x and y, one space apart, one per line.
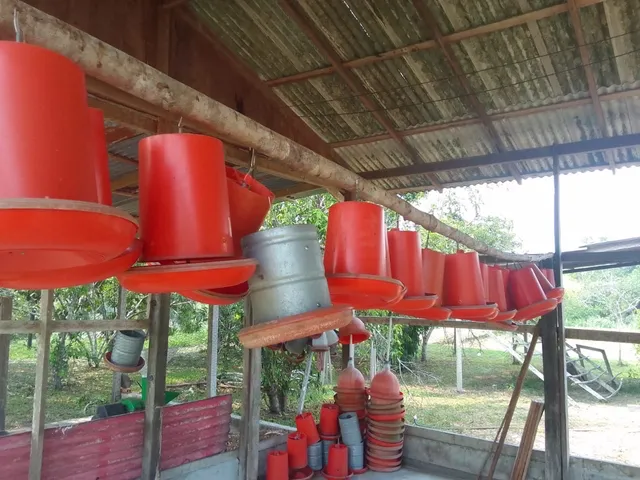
433 451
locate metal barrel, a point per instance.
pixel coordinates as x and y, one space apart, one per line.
314 456
289 279
127 347
326 444
356 456
350 429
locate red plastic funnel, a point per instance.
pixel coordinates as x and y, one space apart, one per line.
46 149
100 156
463 280
356 240
184 204
249 204
405 259
354 333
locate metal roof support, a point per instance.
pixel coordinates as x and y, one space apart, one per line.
293 11
126 73
528 17
431 24
574 15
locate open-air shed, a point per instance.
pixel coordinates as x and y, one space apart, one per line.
365 100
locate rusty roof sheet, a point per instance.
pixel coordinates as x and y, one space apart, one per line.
524 66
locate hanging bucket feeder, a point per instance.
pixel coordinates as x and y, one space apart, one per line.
549 290
496 294
288 293
356 257
528 296
125 354
100 157
463 291
548 272
355 332
405 258
332 338
433 277
249 204
506 273
219 296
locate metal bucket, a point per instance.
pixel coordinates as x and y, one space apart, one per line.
356 456
350 429
289 279
326 445
127 347
314 456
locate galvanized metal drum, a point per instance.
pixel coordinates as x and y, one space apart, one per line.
127 347
290 277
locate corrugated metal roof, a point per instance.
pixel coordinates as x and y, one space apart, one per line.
524 66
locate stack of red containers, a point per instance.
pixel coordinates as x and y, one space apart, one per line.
351 395
385 423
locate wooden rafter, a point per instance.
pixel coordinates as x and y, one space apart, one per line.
355 85
574 15
455 37
504 158
430 22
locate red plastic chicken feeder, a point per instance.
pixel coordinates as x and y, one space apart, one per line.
548 272
338 463
463 291
528 296
496 294
351 379
219 296
278 465
329 426
354 333
385 385
306 424
297 450
100 157
356 258
249 204
405 258
549 290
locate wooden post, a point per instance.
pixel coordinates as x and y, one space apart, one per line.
6 307
121 312
159 309
554 365
40 391
251 399
212 350
346 352
458 342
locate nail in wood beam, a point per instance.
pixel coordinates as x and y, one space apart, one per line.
454 37
159 309
294 12
6 308
251 401
40 390
431 24
574 15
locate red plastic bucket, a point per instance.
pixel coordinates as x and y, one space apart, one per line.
463 280
405 259
307 425
548 272
496 292
278 465
297 450
100 156
525 288
338 461
356 240
184 204
249 204
484 271
44 120
329 419
433 271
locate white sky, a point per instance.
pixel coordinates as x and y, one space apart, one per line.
593 204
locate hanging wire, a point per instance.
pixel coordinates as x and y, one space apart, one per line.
180 125
474 72
252 167
16 26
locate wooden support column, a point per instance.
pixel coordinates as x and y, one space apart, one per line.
6 307
212 351
121 312
159 309
40 391
554 366
251 399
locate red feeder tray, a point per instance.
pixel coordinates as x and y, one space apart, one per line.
474 312
120 368
46 234
504 316
536 310
360 471
294 327
331 477
303 474
381 443
411 304
387 417
188 276
71 277
219 296
364 292
436 314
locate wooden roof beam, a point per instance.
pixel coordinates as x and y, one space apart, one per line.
560 149
291 8
430 22
454 37
574 15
